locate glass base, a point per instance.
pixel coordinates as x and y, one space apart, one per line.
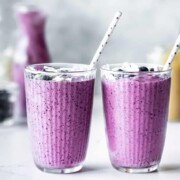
61 170
138 170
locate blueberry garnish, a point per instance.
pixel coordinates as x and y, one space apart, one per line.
131 75
45 77
151 69
143 68
128 75
119 70
31 75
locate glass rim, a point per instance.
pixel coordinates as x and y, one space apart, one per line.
103 68
28 68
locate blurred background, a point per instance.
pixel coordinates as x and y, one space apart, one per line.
74 29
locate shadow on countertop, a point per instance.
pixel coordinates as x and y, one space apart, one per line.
93 168
169 168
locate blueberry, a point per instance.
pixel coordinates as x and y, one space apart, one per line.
31 75
119 70
128 76
143 68
45 77
42 77
151 69
131 75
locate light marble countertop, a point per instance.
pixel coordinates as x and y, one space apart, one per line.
16 161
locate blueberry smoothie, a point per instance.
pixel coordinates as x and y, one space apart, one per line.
31 47
136 109
59 105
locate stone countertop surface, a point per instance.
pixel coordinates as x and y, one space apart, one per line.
16 161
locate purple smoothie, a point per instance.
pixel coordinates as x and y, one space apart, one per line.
31 47
59 115
136 110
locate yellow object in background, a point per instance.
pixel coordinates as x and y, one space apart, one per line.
174 106
6 64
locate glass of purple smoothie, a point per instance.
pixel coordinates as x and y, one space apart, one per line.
59 99
135 100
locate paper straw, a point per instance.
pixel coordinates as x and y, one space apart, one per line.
172 54
105 39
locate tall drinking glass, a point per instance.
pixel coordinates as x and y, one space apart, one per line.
136 111
59 104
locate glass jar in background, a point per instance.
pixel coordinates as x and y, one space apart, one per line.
31 48
8 99
174 106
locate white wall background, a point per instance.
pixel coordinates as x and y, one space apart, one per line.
76 27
